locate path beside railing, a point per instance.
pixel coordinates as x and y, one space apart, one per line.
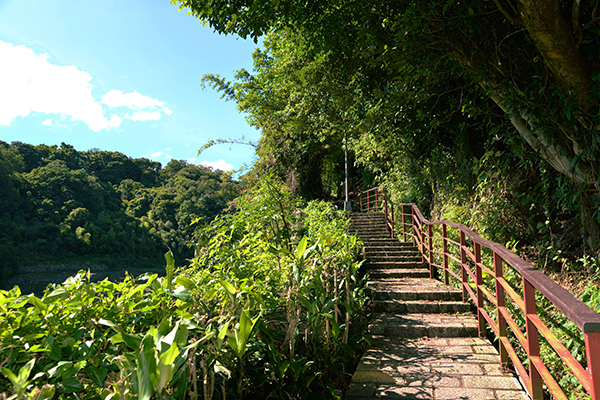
507 292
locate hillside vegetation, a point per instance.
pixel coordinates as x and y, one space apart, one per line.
270 307
485 112
60 204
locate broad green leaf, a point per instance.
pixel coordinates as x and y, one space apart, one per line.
131 340
210 294
146 369
169 356
335 328
164 328
282 368
171 336
38 304
103 321
57 294
12 378
96 374
185 281
166 367
63 369
228 286
222 333
168 283
301 248
245 329
25 371
69 385
182 293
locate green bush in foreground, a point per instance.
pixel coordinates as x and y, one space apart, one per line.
268 308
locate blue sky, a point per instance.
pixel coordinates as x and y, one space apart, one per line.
119 76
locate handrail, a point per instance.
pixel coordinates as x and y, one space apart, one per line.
504 300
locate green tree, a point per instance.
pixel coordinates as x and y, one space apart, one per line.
535 64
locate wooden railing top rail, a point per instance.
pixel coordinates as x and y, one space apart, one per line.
584 317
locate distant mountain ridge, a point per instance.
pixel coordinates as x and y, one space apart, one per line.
104 207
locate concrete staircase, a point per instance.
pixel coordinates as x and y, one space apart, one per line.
406 302
424 342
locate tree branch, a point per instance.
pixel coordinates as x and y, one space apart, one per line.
550 152
515 19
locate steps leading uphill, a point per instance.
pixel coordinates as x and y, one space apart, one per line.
424 342
406 302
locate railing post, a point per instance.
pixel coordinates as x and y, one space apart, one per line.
445 248
431 267
414 224
403 224
423 245
361 201
368 202
533 344
500 299
376 199
393 221
463 266
385 210
478 285
592 348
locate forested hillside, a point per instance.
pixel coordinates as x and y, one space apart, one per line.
61 204
482 112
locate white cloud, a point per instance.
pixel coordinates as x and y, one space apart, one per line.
192 160
221 165
144 116
136 101
157 154
29 83
169 156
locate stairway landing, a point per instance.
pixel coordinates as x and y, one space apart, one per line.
433 368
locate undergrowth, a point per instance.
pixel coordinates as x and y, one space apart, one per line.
268 308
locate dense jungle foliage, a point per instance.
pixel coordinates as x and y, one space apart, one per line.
60 204
270 307
482 112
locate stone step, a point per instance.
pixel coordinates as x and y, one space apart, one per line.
368 225
368 219
394 265
369 230
361 216
412 326
391 251
387 242
372 236
380 295
413 289
420 307
398 273
398 258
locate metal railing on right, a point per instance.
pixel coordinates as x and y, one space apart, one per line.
512 297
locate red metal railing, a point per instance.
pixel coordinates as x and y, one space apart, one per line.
487 273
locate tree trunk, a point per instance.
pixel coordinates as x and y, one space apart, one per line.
554 39
555 155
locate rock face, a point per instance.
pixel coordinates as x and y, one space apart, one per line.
424 342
